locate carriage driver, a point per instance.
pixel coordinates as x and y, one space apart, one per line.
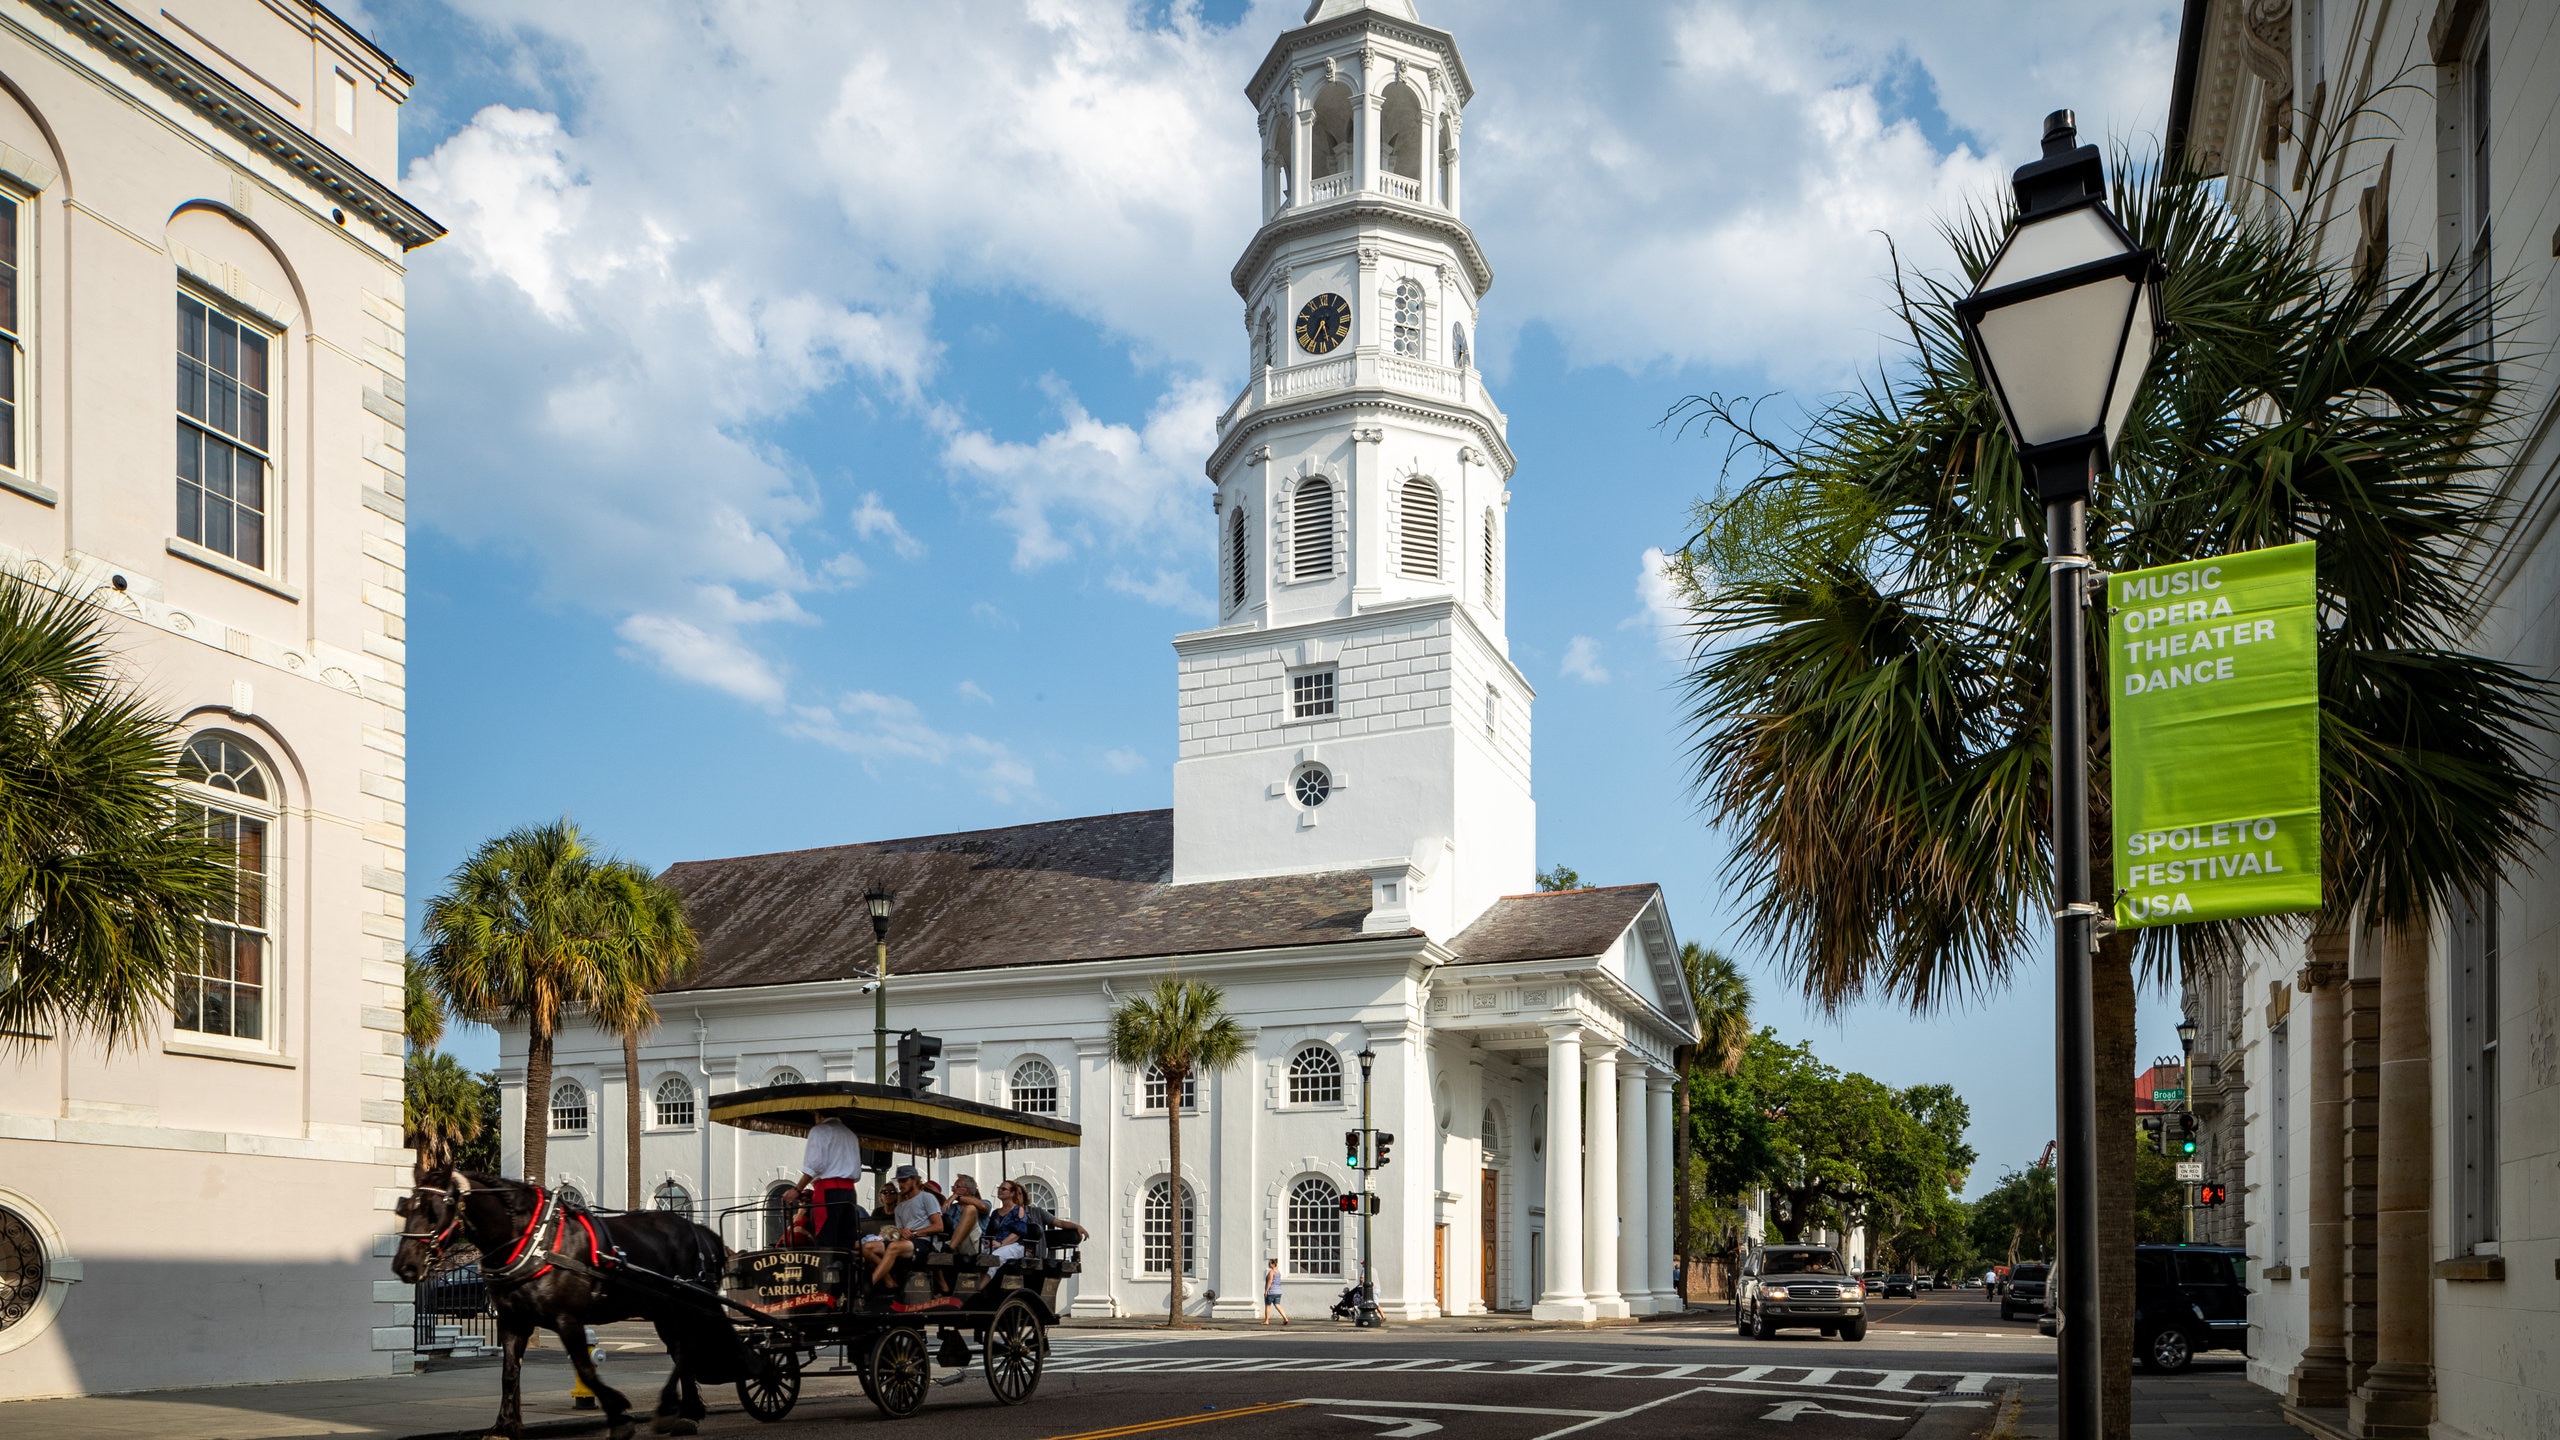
832 1163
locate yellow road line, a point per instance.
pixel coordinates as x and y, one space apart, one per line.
1178 1421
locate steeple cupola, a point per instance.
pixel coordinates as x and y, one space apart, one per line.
1359 677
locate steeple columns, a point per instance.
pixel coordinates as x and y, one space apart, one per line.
1365 108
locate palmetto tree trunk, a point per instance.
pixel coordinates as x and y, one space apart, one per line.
631 1120
537 1103
1181 1248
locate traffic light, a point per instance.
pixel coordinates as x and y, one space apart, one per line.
916 1054
1351 1150
2155 1128
1348 1201
1384 1140
2212 1194
2186 1134
1377 1202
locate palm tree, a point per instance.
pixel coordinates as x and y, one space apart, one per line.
1179 1029
534 924
655 947
1869 701
421 1007
1721 995
103 873
440 1108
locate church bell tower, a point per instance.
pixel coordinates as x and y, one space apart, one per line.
1356 707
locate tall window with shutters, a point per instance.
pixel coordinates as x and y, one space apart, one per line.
1238 552
13 351
226 795
1492 559
1418 524
1311 530
2472 972
223 494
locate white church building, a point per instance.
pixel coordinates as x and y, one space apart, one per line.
1348 853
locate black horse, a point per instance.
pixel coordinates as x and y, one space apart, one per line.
549 1265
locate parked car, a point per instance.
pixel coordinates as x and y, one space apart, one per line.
2023 1292
1800 1287
2188 1298
1926 1282
1905 1286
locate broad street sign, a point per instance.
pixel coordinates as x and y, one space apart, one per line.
2214 690
2191 1170
2168 1095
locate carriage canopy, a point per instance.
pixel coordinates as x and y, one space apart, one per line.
888 1118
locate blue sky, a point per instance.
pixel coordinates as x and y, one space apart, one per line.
810 403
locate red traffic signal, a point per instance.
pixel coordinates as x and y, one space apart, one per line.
2212 1194
1348 1202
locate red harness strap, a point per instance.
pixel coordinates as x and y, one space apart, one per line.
549 1204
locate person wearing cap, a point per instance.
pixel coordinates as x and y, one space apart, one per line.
831 1182
917 1225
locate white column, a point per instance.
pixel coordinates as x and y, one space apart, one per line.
1564 1299
1364 136
1635 1193
1601 1215
1457 127
1302 144
1662 1266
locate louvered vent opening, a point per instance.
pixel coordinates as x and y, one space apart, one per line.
1235 559
1311 532
1492 590
1421 520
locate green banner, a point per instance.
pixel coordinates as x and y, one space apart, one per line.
2215 675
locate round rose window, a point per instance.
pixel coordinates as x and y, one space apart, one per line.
21 1269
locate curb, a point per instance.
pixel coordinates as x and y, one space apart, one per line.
538 1430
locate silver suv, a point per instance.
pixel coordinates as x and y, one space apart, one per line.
1800 1287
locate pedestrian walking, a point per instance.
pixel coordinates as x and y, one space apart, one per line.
1271 1294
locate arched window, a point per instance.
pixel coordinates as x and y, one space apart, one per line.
777 1211
1491 1135
1151 1097
1409 318
1262 333
225 987
1400 141
1492 561
1237 554
1034 1087
785 1076
1418 520
1038 1192
1311 530
675 1102
1459 354
568 1108
1332 136
1315 1076
672 1196
1155 1244
1315 1227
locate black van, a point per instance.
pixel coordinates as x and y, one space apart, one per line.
2188 1298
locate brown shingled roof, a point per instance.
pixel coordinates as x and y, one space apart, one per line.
1551 925
1093 888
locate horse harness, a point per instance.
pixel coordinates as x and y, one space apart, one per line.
537 1250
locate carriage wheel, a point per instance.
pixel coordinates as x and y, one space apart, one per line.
901 1371
774 1388
1015 1348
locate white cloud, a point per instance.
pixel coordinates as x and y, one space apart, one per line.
872 520
1093 483
1582 661
972 690
1124 761
877 727
688 652
1660 612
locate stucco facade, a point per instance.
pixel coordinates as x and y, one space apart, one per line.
235 166
2390 1103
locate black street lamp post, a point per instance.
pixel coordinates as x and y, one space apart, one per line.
2061 328
1367 1312
2187 1103
880 902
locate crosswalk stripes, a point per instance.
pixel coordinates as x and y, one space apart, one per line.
1835 1378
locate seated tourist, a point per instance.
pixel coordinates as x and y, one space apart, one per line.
1008 1226
964 1215
916 1228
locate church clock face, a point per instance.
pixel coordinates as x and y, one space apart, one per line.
1323 323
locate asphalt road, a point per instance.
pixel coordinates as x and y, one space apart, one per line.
1937 1363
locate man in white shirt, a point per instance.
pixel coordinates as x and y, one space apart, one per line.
832 1163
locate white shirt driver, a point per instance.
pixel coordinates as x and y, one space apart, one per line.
832 1152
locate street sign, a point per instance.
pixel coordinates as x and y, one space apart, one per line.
2190 1171
2168 1096
2214 689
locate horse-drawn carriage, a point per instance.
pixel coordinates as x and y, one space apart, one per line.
810 1299
759 1317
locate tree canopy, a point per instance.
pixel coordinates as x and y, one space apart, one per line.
1831 1148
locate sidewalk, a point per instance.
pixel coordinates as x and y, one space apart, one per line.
2213 1401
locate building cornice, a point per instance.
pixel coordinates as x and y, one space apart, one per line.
1365 398
1366 618
1360 207
1284 50
202 89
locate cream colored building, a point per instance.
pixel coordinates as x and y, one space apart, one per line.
2390 1112
198 201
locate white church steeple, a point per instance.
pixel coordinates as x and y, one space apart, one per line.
1356 707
